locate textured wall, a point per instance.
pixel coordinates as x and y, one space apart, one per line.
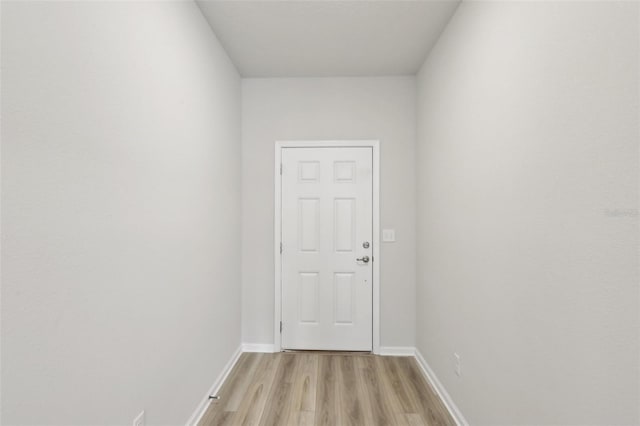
120 211
528 212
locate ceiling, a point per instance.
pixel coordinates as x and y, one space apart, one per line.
327 37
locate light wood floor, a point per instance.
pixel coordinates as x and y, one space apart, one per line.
319 388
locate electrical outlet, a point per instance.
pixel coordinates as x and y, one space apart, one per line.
457 366
139 420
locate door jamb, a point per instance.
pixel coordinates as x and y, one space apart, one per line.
279 145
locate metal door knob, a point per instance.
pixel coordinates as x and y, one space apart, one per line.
364 259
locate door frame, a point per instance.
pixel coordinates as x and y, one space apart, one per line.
279 145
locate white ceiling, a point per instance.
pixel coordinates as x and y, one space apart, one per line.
327 37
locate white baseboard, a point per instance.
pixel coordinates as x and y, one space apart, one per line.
204 404
440 389
397 351
258 347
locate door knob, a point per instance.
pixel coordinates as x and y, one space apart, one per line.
364 259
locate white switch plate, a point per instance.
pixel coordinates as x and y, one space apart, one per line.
139 420
388 235
457 367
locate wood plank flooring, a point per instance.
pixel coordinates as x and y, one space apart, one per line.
326 388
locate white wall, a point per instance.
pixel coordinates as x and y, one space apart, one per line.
120 211
528 212
324 109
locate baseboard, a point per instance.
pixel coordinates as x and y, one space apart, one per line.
397 351
258 347
204 404
440 389
384 350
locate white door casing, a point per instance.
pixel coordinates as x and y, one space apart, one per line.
326 214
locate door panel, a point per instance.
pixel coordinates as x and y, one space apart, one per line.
326 218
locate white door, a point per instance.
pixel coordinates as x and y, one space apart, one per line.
327 251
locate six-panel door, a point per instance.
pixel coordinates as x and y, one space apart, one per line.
326 227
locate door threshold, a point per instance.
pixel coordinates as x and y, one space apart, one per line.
326 352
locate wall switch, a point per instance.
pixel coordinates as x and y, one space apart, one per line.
388 235
457 367
139 420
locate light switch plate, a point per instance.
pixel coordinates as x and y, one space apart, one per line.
388 235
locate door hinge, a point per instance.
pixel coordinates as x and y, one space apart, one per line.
281 248
281 168
280 326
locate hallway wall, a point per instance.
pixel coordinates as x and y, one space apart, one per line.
323 109
120 212
528 212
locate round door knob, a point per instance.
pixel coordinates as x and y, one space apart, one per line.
364 259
